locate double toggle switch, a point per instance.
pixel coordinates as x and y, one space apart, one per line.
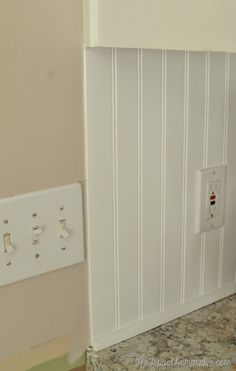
62 231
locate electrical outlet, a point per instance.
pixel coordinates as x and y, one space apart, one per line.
210 198
213 199
40 232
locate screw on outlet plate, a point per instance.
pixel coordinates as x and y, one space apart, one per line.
36 256
63 248
34 215
62 208
8 264
5 221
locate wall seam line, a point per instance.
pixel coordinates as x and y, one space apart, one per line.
163 180
205 159
185 175
140 183
115 187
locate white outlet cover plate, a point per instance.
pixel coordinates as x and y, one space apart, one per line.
19 214
203 178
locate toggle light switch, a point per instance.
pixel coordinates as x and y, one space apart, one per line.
36 231
64 233
8 247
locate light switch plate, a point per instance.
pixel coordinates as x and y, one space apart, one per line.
38 245
210 198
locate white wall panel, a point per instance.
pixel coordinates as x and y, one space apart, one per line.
128 183
100 188
153 119
196 115
229 251
173 177
214 157
151 114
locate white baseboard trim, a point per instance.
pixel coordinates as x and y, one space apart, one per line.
160 318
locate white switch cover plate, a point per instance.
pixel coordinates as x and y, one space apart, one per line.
210 198
40 232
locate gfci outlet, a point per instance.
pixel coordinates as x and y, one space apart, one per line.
40 232
210 198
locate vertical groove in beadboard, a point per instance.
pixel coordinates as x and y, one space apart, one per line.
115 186
205 159
140 182
207 98
225 146
221 249
163 181
185 176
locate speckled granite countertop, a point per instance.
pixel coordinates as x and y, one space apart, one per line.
206 334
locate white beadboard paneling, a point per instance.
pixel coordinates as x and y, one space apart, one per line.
216 109
100 189
152 151
196 114
153 119
174 176
229 250
225 139
215 147
159 318
128 179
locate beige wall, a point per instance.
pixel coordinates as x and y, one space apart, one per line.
40 94
51 350
41 139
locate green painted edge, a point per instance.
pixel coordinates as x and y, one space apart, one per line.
59 364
